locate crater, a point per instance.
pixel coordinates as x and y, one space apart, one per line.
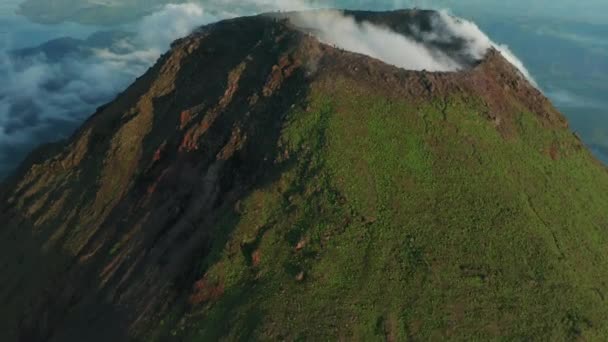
411 39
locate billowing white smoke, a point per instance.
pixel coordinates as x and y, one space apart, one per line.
477 42
333 27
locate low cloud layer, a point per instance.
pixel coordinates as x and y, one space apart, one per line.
48 91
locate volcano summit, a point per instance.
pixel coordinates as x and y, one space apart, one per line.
259 183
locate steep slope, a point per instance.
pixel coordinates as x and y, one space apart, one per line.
257 184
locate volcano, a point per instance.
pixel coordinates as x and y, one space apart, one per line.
260 184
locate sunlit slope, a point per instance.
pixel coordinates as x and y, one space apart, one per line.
395 220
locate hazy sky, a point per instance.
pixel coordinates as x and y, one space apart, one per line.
585 10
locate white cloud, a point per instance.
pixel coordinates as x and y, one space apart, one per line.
174 21
477 42
335 28
413 53
43 99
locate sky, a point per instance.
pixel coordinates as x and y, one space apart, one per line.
560 44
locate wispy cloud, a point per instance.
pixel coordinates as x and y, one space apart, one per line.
565 98
43 99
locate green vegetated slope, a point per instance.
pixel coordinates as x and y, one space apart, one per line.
396 221
258 185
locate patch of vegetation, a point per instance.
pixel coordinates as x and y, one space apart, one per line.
392 221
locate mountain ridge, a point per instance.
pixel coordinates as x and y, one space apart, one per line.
252 142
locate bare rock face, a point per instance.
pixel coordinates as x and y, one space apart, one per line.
106 234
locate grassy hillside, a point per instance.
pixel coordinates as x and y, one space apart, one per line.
259 185
397 221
